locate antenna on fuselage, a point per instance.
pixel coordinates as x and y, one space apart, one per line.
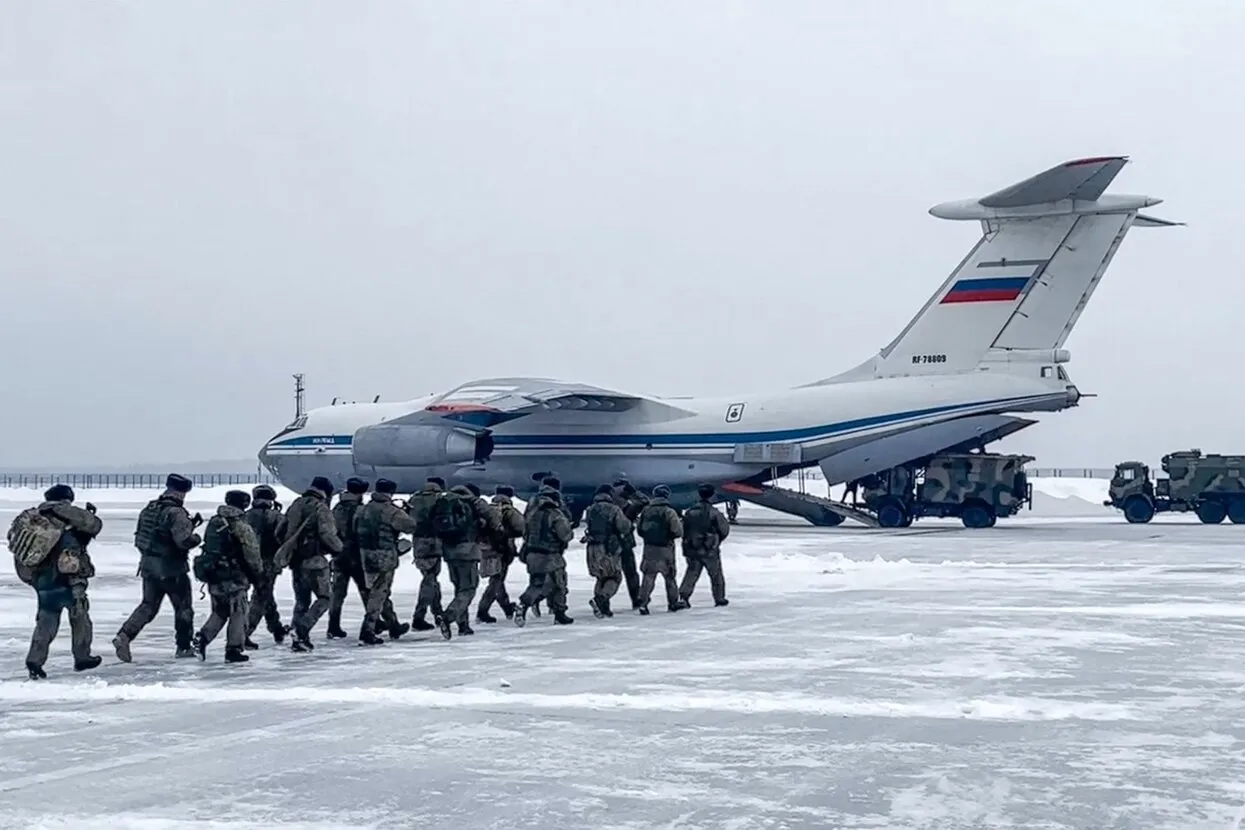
299 397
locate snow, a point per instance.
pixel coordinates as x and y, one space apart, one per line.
1050 672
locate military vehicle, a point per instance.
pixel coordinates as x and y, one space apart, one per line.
1212 486
978 488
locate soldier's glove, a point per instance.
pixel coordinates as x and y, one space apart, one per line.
196 520
90 508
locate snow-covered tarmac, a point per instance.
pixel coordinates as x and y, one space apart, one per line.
1047 673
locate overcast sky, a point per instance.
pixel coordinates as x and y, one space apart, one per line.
198 199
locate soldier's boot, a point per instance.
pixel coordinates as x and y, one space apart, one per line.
36 672
465 629
335 632
122 645
250 645
367 636
507 608
536 608
604 605
398 630
89 663
443 622
233 654
560 618
420 624
684 603
677 606
721 603
643 609
520 614
185 651
278 634
301 642
200 646
595 605
485 617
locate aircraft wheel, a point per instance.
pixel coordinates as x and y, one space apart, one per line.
1138 510
975 515
1211 512
1236 511
891 514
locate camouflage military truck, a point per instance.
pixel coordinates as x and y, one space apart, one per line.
977 488
1212 486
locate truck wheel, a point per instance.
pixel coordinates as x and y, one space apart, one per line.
975 515
1138 510
891 514
1211 512
1236 511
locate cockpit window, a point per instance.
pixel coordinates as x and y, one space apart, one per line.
297 423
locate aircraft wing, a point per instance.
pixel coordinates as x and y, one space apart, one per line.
487 403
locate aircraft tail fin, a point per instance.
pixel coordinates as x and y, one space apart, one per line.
1046 243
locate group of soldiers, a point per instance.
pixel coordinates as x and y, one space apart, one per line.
250 540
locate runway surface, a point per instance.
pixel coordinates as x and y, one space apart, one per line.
1041 674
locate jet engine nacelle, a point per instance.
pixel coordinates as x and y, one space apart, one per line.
400 445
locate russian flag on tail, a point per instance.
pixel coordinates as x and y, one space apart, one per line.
986 290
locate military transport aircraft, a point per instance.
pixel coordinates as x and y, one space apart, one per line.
987 345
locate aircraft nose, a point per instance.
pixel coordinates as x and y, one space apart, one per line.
266 459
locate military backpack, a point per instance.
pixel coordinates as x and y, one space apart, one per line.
698 529
655 527
451 518
218 560
600 523
32 537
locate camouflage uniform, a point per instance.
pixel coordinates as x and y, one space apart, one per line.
59 591
426 553
607 537
377 527
631 501
347 566
548 533
560 503
231 537
164 536
704 528
311 512
462 559
659 553
264 517
498 557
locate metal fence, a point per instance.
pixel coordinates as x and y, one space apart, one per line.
155 481
128 481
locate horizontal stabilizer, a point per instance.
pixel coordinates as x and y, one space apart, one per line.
1081 180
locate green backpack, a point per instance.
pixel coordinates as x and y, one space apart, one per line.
655 528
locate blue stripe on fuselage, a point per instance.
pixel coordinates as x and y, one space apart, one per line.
691 439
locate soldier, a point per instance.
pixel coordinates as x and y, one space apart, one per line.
659 527
165 537
307 532
264 516
704 528
461 526
548 532
426 552
498 556
377 527
631 501
60 579
229 563
347 565
556 484
607 536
